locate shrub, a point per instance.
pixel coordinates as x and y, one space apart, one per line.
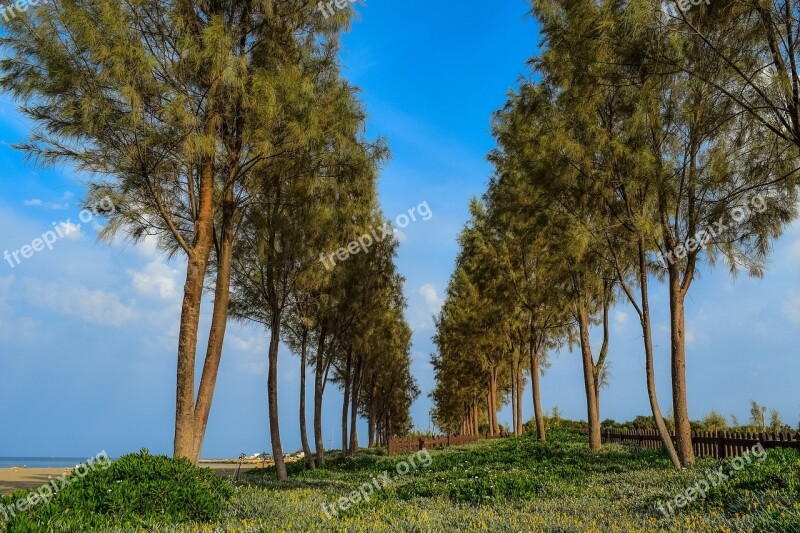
137 489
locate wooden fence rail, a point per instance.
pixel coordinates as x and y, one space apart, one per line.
415 444
720 444
717 444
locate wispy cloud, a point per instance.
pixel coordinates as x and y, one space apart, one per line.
431 297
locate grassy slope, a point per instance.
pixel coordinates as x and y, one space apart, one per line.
519 485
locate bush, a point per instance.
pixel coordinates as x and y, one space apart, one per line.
137 489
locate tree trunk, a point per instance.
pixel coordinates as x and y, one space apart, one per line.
371 420
309 458
318 391
346 400
190 316
272 392
490 431
520 386
647 334
541 434
355 393
513 394
595 442
219 322
476 423
495 423
683 430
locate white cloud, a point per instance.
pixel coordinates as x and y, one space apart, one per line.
64 203
13 325
400 236
245 345
791 308
431 297
92 306
156 279
620 318
70 230
148 246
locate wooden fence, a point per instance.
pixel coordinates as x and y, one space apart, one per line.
721 444
415 444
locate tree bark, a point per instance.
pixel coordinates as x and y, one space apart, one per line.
318 391
489 419
309 458
355 392
371 419
513 392
683 430
647 334
346 400
520 386
495 422
595 442
219 322
475 416
272 393
541 434
197 264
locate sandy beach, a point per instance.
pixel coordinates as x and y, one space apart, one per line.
13 479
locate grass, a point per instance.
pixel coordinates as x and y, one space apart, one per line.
516 485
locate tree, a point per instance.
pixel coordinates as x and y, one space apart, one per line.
758 415
775 422
714 421
160 99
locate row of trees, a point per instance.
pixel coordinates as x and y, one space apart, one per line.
225 130
648 143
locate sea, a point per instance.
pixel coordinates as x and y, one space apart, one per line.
41 462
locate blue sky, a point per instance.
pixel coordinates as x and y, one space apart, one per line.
88 331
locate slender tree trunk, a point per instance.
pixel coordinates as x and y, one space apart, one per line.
309 458
683 430
595 442
219 322
346 399
597 393
272 392
354 405
514 405
371 420
319 369
495 422
520 386
489 410
476 423
197 264
541 434
647 334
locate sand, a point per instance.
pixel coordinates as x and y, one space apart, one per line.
12 479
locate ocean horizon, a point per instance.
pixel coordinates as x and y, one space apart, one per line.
41 462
